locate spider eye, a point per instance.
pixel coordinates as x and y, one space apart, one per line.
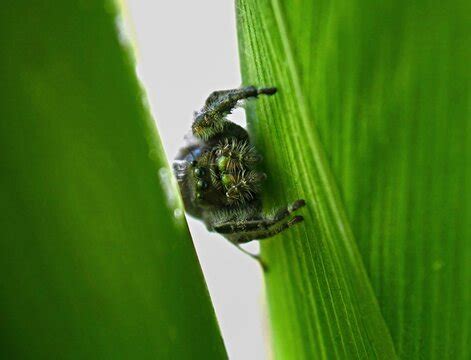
222 162
227 180
201 184
199 172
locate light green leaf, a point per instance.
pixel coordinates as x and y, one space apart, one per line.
379 93
321 301
96 259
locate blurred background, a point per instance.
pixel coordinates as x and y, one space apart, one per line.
183 54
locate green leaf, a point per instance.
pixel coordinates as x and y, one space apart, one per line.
96 259
321 301
379 93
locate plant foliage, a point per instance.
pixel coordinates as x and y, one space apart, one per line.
94 262
371 127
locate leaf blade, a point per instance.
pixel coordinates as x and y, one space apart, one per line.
387 86
95 262
339 317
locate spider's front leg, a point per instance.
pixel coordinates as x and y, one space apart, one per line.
241 231
224 101
210 121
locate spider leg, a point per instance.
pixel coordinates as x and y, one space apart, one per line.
245 237
211 120
257 225
281 214
239 238
243 231
224 101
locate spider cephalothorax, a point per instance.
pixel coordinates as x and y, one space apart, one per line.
218 175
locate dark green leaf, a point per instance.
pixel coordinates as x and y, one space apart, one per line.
96 260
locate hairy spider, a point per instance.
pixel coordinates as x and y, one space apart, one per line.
218 177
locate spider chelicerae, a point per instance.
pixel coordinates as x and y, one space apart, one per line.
218 176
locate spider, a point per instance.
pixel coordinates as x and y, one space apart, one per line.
218 177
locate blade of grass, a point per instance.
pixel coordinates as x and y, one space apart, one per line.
387 86
95 262
321 302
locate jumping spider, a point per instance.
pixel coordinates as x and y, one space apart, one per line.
218 177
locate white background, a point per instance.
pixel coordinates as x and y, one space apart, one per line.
185 50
